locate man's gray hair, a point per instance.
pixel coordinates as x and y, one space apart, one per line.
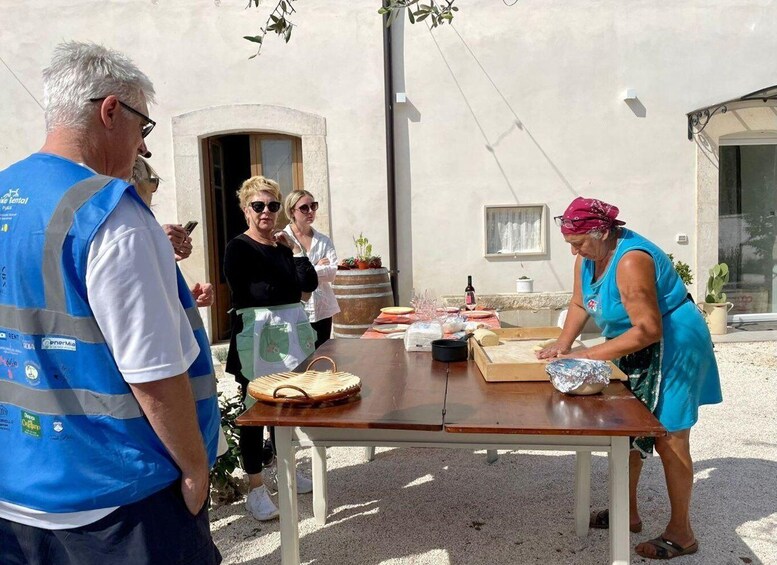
83 71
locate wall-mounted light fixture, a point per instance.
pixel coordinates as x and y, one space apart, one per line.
629 94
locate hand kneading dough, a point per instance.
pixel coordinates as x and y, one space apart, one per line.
486 337
542 345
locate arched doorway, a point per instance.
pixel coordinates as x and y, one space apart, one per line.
215 149
229 160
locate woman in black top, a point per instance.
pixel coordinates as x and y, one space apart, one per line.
265 269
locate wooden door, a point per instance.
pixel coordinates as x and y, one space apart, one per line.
278 157
217 237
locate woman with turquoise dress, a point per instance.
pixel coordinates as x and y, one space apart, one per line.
657 336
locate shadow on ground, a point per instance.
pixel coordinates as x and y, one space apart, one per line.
440 507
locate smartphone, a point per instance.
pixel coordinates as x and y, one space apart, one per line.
189 227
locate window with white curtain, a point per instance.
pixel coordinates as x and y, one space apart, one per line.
516 230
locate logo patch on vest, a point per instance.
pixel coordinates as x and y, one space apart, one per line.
12 197
58 343
31 424
5 421
7 202
31 372
592 304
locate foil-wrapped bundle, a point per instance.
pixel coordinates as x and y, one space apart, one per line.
579 376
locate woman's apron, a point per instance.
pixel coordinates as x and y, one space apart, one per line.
274 339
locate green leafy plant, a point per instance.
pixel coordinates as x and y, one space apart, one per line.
683 269
363 247
524 278
364 253
718 278
437 11
225 487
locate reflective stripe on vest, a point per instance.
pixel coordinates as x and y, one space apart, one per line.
81 402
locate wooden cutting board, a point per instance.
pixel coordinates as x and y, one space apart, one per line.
514 359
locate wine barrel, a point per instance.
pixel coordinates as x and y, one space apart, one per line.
360 294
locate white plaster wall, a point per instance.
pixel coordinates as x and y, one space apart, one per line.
515 104
559 68
196 57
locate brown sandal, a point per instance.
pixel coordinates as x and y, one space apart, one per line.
601 521
667 549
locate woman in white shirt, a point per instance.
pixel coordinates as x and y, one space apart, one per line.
300 207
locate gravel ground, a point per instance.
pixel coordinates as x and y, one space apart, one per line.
448 506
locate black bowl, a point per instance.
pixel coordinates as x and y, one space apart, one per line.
449 350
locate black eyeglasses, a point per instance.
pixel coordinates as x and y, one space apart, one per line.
563 222
308 208
153 181
144 129
259 206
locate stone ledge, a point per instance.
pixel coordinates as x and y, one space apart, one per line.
517 300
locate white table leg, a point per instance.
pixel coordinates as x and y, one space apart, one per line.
319 484
491 455
369 453
619 501
582 492
287 496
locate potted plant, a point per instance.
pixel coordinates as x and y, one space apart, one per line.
524 284
347 263
715 305
364 257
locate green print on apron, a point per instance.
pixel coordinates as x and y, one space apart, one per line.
274 339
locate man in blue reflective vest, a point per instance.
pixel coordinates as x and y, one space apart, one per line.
108 409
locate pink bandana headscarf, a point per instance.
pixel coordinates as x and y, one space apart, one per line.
586 215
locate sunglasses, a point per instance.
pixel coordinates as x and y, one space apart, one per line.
259 207
308 208
563 222
144 129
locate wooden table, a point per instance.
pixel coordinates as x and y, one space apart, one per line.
409 400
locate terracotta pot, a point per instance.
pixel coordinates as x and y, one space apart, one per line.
362 264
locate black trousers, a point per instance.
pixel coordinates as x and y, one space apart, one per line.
323 330
256 455
157 529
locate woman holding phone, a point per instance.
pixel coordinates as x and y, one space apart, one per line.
300 207
146 182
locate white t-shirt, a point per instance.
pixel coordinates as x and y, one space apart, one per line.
132 288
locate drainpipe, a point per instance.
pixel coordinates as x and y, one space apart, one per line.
391 186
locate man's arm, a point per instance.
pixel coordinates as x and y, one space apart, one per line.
169 406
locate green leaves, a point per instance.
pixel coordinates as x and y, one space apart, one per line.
438 13
718 278
278 22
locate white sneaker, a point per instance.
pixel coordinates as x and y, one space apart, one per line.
260 506
270 476
304 485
